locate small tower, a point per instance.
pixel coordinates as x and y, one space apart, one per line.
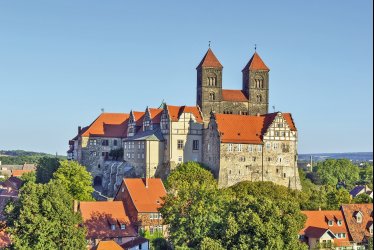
209 84
256 85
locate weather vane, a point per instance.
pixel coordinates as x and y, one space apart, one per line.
255 47
209 44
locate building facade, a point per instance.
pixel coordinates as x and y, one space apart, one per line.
153 142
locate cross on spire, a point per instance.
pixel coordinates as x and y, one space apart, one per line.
209 44
255 46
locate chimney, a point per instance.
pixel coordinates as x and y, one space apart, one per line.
258 114
146 182
79 129
75 206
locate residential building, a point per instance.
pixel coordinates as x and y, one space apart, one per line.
106 220
108 245
361 189
142 198
252 148
359 219
325 230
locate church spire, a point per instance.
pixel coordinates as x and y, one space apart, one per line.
256 63
210 60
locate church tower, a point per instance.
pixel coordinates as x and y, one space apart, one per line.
256 85
209 84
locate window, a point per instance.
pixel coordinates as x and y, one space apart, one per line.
284 175
105 143
339 222
180 144
254 158
138 156
268 146
212 96
151 230
259 148
208 147
229 147
283 134
269 158
259 98
250 148
93 142
276 133
93 153
125 145
139 145
280 125
142 143
242 159
275 145
113 227
330 223
115 143
119 240
142 156
180 158
359 217
240 147
195 145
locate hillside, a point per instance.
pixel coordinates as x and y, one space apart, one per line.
18 157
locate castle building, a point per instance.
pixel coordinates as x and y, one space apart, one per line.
252 99
230 131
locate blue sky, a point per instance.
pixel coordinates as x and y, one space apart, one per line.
62 61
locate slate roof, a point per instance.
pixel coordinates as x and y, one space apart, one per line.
358 189
149 135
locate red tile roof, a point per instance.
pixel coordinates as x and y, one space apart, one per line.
4 239
176 111
234 95
20 172
247 129
317 224
108 125
156 115
358 231
256 63
134 242
108 245
98 215
210 60
146 199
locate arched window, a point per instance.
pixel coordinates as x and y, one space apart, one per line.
212 79
259 98
259 82
212 96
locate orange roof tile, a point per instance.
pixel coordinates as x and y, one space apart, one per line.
156 114
317 222
176 111
234 95
108 125
4 239
210 60
139 117
358 231
20 172
108 245
247 129
256 63
146 199
97 216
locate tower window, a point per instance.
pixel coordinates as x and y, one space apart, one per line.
259 98
212 79
212 96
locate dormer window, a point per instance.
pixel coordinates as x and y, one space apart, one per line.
339 223
358 217
330 223
123 226
112 227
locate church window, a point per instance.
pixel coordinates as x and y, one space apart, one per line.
212 79
259 98
212 96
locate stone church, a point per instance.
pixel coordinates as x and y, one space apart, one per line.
230 131
252 99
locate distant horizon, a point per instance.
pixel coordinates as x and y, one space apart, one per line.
61 62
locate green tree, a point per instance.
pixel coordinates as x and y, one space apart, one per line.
75 178
46 168
331 172
193 206
262 215
43 218
211 244
362 199
28 177
366 175
336 197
